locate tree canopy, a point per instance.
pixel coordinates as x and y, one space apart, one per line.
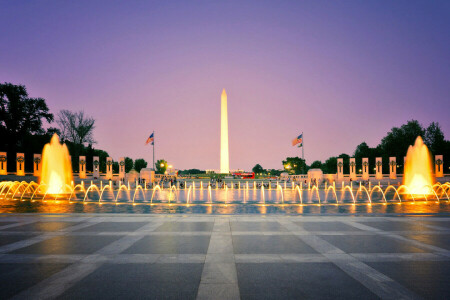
139 164
394 144
20 115
161 166
257 169
76 127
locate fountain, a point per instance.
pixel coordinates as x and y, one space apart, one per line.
56 174
418 175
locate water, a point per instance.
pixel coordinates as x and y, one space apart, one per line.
229 201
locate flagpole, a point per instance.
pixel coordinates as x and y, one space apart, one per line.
303 147
154 151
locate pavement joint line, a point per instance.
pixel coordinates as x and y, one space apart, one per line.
27 242
219 278
16 225
423 246
213 258
79 226
58 283
380 284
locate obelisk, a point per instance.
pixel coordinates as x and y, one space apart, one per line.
224 158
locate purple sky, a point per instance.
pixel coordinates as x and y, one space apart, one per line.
342 72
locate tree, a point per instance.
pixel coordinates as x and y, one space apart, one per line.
76 127
434 138
398 140
139 164
330 165
295 165
115 167
316 165
20 116
161 166
128 164
257 169
363 150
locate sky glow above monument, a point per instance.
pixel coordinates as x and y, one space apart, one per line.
342 73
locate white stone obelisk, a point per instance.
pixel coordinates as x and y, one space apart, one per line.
224 156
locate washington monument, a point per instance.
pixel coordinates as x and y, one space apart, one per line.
224 157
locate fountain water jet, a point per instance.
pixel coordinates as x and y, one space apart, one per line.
418 175
56 167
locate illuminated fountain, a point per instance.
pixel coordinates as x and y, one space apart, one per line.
56 177
418 175
56 185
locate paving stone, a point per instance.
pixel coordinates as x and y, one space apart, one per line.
326 226
398 226
429 279
16 277
271 244
369 244
438 240
9 239
185 226
170 245
41 226
113 227
298 281
139 281
257 226
68 245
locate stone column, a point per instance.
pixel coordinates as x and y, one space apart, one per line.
352 168
365 168
3 163
109 172
20 171
82 167
96 166
379 168
340 168
392 168
439 165
122 168
37 165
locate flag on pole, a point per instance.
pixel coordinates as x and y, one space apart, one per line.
150 139
298 140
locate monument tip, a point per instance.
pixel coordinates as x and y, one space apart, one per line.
224 93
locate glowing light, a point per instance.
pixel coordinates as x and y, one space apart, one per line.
56 167
418 175
224 156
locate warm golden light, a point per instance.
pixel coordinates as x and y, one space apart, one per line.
418 176
224 156
56 167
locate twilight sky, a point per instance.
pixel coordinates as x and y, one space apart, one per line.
342 72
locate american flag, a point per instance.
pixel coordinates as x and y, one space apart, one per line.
298 140
150 139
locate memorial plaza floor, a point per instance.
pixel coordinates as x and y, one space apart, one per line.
129 256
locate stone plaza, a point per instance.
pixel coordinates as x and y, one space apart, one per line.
129 256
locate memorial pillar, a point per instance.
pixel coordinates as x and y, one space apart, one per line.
340 168
20 159
365 168
96 166
122 168
379 168
392 168
82 167
37 164
439 165
109 164
352 168
3 163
